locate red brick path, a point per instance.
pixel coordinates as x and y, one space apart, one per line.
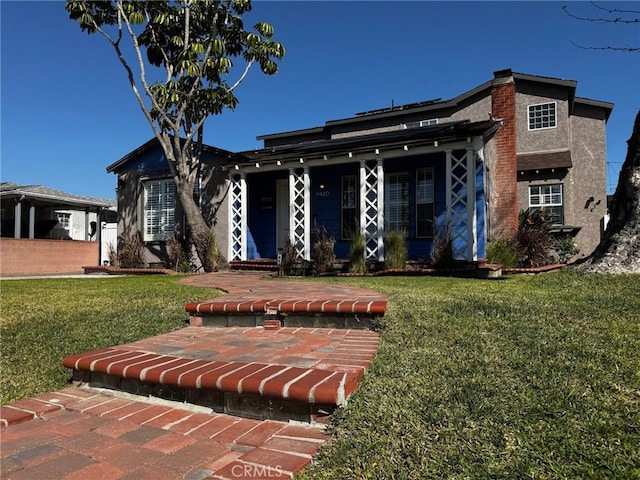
78 433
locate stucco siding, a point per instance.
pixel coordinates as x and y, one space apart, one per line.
544 139
589 178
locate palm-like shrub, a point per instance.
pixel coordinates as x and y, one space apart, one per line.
533 240
356 254
395 250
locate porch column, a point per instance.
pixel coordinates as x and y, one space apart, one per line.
32 221
86 224
472 244
461 203
300 211
237 217
372 207
18 219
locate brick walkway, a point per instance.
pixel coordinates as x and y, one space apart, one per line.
79 433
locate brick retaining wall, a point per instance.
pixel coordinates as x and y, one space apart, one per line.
21 256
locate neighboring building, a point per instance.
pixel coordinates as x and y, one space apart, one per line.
516 141
35 211
34 220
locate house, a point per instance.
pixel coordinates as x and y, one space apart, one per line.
465 166
33 220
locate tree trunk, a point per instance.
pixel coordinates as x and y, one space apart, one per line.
197 232
619 249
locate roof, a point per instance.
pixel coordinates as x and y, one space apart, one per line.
542 161
50 195
439 104
219 152
444 132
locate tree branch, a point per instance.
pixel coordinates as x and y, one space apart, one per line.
603 20
143 78
627 49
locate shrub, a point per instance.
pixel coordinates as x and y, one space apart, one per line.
132 252
112 252
395 250
442 250
356 254
503 252
322 254
289 258
533 240
179 253
566 248
214 252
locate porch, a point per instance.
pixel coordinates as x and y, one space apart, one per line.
417 181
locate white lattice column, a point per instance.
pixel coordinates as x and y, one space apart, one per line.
300 211
458 208
238 217
372 208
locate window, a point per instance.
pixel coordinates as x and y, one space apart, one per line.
349 220
548 198
64 220
397 202
424 202
159 209
542 115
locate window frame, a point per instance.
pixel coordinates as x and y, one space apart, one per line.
166 206
344 229
542 116
549 204
66 225
429 201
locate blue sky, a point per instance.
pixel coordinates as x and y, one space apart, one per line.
67 111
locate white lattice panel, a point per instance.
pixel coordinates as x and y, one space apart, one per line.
461 218
372 208
237 217
299 212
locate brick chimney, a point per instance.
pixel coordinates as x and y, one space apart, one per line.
504 171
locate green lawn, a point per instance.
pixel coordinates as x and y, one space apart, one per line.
44 320
525 377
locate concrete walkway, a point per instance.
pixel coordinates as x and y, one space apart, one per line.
79 433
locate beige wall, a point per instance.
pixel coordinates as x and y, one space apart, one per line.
546 139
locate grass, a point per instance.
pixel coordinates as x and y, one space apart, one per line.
529 377
533 377
44 320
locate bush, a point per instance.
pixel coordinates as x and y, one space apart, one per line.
533 240
356 254
442 250
179 253
395 250
503 252
322 254
112 252
132 252
214 253
289 258
566 248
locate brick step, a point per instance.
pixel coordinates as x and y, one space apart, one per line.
258 265
259 373
247 312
